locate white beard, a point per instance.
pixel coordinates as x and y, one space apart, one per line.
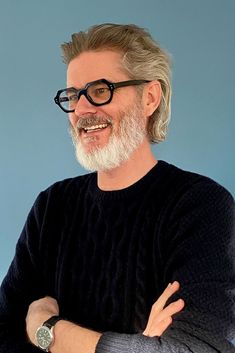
122 143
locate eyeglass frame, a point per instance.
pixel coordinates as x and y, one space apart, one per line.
83 91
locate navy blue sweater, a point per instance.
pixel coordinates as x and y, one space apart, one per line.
106 256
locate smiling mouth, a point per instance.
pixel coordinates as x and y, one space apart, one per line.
94 128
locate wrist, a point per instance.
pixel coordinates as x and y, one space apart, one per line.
70 337
45 335
39 311
33 323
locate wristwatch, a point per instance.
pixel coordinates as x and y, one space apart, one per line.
44 334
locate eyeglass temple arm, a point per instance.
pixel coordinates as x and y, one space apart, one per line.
129 83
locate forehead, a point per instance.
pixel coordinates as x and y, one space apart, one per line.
94 65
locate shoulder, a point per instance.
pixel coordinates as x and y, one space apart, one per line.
195 204
189 186
198 209
62 194
62 188
70 183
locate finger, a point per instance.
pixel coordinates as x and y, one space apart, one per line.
159 329
158 306
160 323
168 292
169 311
161 302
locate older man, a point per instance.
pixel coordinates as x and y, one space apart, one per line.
97 250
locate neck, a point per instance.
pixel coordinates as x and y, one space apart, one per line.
138 165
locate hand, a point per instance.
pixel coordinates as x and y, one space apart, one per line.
160 317
39 311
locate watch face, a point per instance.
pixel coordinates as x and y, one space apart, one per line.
44 337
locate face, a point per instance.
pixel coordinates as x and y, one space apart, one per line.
104 136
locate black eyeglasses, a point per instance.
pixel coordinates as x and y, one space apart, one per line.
98 93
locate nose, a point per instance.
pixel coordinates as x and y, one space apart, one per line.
83 107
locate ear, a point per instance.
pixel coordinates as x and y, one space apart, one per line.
151 97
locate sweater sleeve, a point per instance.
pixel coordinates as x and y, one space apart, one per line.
198 250
20 287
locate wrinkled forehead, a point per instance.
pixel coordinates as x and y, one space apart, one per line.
94 65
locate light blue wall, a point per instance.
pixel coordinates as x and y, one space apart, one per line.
35 149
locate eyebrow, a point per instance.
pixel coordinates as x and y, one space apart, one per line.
101 78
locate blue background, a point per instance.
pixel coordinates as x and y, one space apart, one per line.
35 148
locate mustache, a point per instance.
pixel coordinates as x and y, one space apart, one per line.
91 120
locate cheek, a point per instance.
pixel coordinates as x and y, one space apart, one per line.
72 119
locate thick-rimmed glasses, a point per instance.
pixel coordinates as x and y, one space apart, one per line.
98 93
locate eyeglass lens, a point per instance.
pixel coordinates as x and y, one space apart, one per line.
98 93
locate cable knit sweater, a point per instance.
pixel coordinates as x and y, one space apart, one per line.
106 256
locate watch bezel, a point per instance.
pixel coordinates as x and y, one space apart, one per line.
50 332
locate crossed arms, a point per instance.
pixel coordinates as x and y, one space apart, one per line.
71 338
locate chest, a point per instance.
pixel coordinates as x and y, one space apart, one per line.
104 266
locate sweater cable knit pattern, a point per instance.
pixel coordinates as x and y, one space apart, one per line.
106 256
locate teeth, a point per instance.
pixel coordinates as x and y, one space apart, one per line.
95 127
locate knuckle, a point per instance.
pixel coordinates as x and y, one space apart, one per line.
155 306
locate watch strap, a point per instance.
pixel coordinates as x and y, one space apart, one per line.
52 321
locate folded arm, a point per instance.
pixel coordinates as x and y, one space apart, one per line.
71 338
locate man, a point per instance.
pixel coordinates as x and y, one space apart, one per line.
97 250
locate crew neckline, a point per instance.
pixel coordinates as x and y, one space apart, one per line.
140 185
